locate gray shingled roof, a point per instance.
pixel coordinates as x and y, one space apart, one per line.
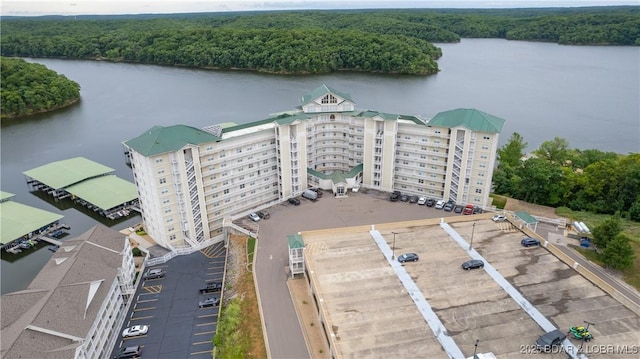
56 299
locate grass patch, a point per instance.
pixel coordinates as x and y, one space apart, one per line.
498 200
239 333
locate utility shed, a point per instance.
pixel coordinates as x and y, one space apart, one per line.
296 254
525 218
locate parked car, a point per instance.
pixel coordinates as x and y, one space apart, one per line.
294 201
128 352
209 302
408 257
430 202
404 198
439 204
499 218
547 341
472 264
317 190
468 209
310 195
458 208
395 196
263 215
448 206
153 274
528 242
477 210
422 201
135 331
413 199
254 216
209 287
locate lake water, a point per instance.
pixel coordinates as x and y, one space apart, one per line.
587 95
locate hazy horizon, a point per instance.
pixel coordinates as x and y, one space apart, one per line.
122 7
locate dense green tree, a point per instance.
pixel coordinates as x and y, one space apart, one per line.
556 151
29 88
512 152
541 182
604 233
634 211
618 253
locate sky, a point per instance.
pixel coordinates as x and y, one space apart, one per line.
105 7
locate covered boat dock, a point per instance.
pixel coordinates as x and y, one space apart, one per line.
87 183
23 226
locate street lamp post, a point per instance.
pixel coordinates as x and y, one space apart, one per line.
393 247
476 347
473 229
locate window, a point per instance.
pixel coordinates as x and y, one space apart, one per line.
158 160
172 237
486 138
163 180
242 186
160 172
164 191
226 191
478 190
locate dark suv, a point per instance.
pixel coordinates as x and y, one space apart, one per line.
395 196
529 242
294 201
209 287
547 341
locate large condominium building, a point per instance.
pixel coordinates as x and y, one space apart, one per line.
190 179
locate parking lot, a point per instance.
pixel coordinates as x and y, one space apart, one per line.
169 306
469 303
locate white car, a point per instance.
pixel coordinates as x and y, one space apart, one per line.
254 216
422 201
135 331
499 218
440 204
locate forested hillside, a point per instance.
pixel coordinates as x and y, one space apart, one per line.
29 88
299 42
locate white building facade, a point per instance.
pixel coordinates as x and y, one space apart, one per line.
190 179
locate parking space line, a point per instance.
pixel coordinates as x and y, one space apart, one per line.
207 332
148 300
207 315
153 288
141 309
136 337
213 273
202 352
205 324
140 318
200 343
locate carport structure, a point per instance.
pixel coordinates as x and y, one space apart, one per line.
525 218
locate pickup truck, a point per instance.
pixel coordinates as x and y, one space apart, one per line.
209 287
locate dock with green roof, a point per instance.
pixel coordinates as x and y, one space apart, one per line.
87 183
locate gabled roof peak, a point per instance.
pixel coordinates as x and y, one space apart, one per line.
321 91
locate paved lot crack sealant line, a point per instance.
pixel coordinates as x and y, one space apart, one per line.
542 321
449 346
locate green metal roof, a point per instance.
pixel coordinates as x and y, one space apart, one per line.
321 91
470 118
105 192
389 116
295 241
64 173
17 219
160 139
525 217
5 196
337 176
